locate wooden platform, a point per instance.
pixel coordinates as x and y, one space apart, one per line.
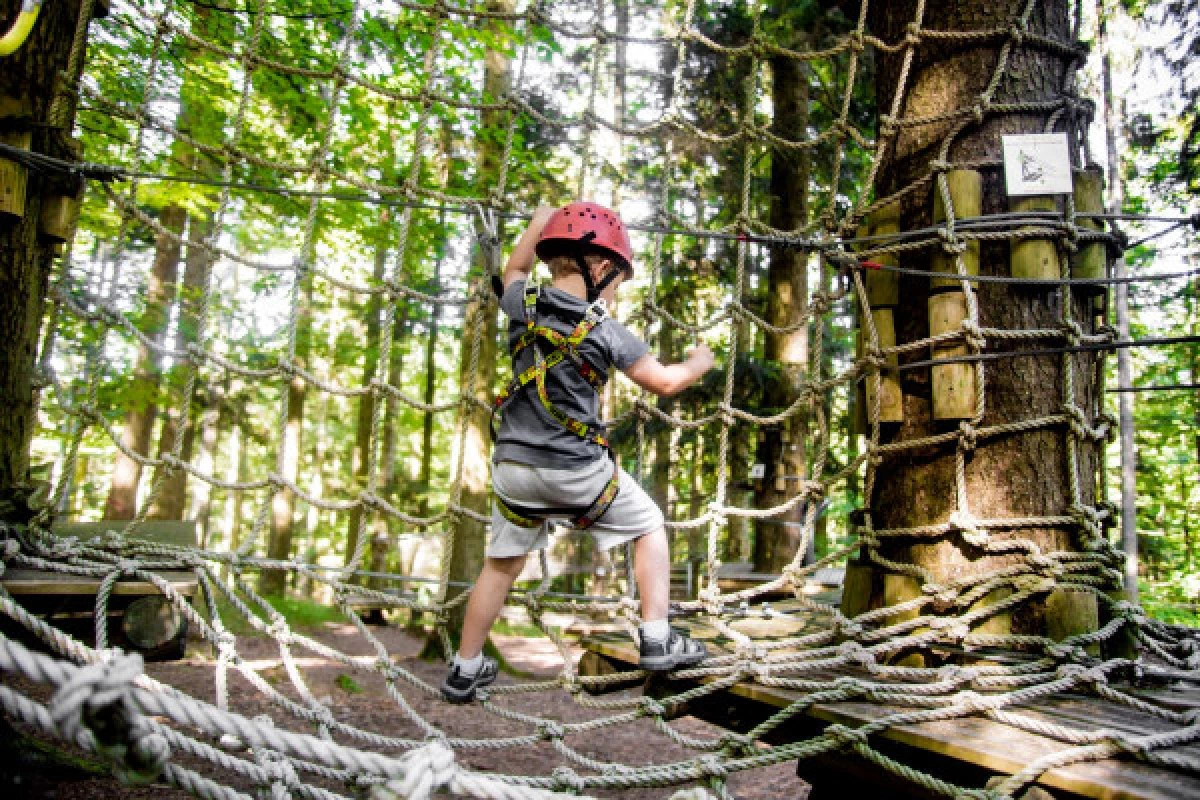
965 751
41 582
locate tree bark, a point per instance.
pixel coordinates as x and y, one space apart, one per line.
782 449
283 504
27 84
366 403
470 536
1015 475
172 497
144 390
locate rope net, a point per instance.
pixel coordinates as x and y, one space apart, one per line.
461 146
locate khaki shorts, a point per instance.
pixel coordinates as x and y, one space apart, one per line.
632 515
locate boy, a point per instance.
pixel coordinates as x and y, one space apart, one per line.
552 460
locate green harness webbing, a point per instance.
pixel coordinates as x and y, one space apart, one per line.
566 348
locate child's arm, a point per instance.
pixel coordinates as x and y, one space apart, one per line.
668 379
521 260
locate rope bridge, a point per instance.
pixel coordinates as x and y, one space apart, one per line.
104 704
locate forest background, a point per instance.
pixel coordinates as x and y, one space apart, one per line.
163 108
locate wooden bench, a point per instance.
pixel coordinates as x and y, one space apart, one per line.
965 751
147 622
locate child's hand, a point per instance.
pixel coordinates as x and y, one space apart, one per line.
700 359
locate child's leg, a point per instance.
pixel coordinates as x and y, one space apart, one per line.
652 567
487 598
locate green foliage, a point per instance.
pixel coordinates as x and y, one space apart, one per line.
347 684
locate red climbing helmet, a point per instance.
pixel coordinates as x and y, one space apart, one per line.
574 221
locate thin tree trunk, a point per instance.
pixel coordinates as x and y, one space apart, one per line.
1116 194
469 537
283 504
425 477
172 497
366 403
782 449
144 388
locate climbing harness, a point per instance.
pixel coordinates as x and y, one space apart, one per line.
11 42
566 349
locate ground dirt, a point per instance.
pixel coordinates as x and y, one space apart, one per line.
359 698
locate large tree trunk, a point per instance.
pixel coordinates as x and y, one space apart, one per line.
142 398
27 83
1014 475
782 449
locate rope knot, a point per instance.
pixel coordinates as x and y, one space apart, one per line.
739 744
912 34
713 766
278 772
651 707
979 113
973 335
846 736
1016 34
128 566
950 628
566 778
549 729
97 700
966 524
850 628
428 769
968 438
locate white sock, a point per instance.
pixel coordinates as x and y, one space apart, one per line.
469 666
656 630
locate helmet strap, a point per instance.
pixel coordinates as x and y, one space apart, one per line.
585 269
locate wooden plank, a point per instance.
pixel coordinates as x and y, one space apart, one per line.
42 582
972 740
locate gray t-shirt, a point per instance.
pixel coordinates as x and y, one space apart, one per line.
527 433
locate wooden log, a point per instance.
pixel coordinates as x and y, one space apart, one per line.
56 223
1090 260
966 193
1035 258
898 588
997 624
883 287
1124 643
856 588
891 396
151 622
1070 612
953 385
13 176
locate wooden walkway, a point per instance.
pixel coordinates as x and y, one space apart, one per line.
965 751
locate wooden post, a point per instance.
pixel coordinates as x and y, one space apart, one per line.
1091 259
897 589
1034 258
883 295
56 223
1070 612
13 176
953 385
966 193
856 588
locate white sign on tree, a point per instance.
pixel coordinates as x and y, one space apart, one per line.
1037 164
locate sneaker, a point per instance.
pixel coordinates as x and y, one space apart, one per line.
677 650
460 688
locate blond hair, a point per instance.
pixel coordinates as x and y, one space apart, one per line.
561 266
